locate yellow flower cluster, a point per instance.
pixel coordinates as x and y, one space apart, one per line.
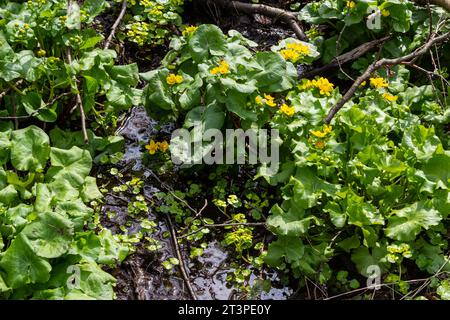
322 134
378 83
189 30
138 31
294 51
223 68
36 2
385 13
289 111
153 146
174 79
350 4
268 100
325 87
390 97
41 53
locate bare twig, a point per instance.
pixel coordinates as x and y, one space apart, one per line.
346 57
288 17
441 3
79 102
180 259
35 112
116 24
380 63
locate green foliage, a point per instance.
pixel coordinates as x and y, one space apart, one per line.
35 40
151 20
46 250
373 186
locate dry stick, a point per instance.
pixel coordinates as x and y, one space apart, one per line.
180 259
377 65
79 102
36 112
346 57
441 3
288 17
116 24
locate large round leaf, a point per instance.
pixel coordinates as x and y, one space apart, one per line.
22 265
50 235
30 149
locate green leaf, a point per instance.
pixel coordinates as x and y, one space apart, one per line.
30 149
5 146
407 223
437 169
209 117
34 106
363 259
444 290
275 74
68 172
126 74
156 93
236 102
290 223
207 40
421 141
289 248
9 195
50 235
22 265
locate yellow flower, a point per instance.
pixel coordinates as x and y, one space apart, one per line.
350 4
299 47
289 111
294 51
363 83
289 54
163 146
305 85
385 13
320 144
323 85
318 134
189 30
322 134
269 100
152 147
174 79
378 83
259 100
390 97
223 68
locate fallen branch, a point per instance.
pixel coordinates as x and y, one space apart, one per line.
180 259
116 24
346 57
288 17
380 63
445 4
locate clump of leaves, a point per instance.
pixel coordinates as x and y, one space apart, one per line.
47 249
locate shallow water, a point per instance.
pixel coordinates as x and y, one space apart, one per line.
141 275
